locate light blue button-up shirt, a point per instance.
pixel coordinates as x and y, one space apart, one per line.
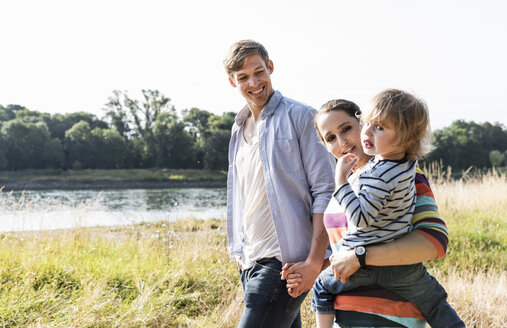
298 173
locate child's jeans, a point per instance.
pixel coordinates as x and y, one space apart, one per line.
412 282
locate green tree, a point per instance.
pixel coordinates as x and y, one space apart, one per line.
216 143
58 124
28 116
496 158
3 151
197 121
216 149
223 122
110 148
175 147
29 145
79 145
465 144
8 113
139 117
117 114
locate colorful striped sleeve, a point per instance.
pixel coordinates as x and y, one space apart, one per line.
427 220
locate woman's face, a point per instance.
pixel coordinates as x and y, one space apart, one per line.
341 134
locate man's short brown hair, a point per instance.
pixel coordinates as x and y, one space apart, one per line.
238 53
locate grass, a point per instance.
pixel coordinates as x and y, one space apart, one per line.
89 175
144 276
180 275
474 210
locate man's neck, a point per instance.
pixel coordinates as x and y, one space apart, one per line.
257 110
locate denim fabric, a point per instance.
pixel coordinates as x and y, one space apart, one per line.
326 287
298 173
415 284
411 282
324 292
267 303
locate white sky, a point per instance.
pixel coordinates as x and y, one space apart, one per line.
68 56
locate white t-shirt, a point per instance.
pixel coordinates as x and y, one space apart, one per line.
258 226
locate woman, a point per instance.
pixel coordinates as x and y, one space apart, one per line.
374 306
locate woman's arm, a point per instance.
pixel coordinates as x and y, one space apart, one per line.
409 249
427 242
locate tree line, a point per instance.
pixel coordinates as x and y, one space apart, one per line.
468 144
149 133
133 133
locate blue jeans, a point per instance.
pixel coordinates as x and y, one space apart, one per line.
267 302
411 282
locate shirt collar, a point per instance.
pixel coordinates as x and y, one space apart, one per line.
269 109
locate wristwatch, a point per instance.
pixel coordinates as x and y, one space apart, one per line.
361 255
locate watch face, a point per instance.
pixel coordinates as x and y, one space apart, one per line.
360 250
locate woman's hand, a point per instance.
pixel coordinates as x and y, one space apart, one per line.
308 270
296 278
344 264
293 282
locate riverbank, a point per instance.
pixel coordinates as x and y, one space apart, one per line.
110 179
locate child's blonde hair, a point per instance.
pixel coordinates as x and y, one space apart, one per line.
408 115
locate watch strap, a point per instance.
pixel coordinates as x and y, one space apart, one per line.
361 258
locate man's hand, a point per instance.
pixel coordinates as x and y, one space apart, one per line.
344 264
308 271
294 279
238 262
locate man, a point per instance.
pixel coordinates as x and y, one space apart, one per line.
279 183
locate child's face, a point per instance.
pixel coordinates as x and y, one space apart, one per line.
341 134
379 140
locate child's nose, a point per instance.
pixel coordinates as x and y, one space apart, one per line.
367 130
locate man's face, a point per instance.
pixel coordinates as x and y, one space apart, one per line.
254 81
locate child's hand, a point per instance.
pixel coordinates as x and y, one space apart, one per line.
343 167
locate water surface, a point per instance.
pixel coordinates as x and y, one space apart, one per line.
61 209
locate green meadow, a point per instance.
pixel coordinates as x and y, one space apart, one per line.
179 274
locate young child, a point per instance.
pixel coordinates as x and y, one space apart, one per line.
379 206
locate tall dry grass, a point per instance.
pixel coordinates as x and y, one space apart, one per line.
479 297
475 210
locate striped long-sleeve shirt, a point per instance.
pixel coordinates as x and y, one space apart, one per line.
377 301
383 207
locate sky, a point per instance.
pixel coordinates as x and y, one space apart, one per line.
68 56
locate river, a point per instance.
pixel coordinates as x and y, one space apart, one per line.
63 209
